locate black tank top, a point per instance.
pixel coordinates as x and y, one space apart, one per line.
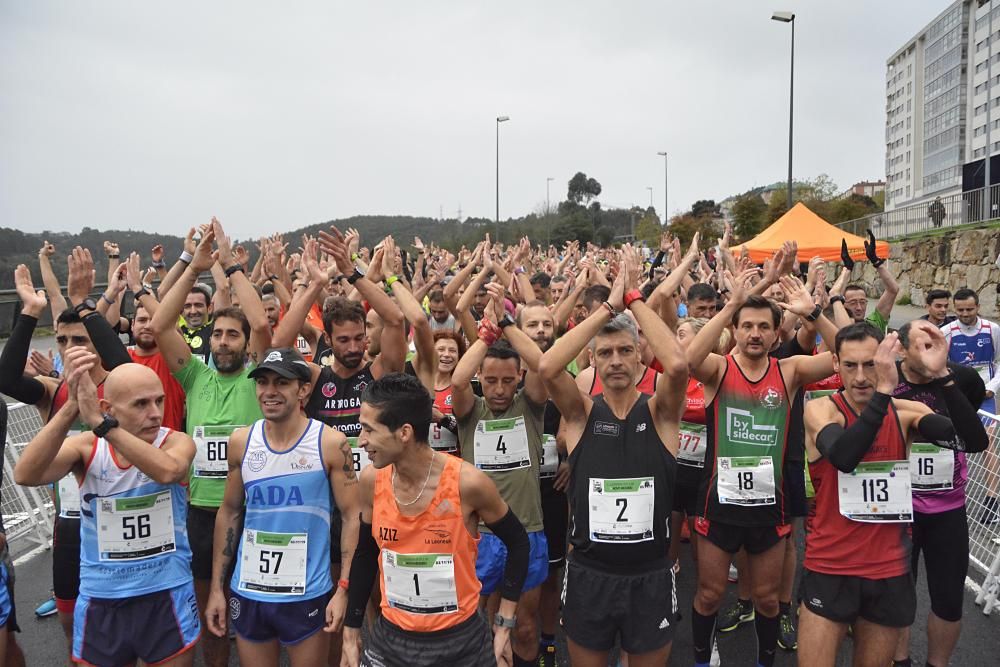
618 469
336 401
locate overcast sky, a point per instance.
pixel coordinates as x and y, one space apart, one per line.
277 115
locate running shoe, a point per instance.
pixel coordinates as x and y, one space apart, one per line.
734 616
786 632
47 608
716 661
547 656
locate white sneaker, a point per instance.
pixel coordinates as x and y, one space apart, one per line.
716 661
734 574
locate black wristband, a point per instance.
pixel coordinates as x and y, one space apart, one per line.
814 315
235 268
837 298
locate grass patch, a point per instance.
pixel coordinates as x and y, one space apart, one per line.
904 300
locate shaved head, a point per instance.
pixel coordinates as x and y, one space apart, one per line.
133 394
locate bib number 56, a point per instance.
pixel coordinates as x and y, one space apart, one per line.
136 527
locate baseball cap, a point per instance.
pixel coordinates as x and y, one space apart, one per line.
286 362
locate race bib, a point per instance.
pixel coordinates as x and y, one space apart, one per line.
359 455
442 439
746 480
932 468
211 450
420 583
621 510
550 457
274 563
135 527
501 445
876 492
984 372
693 442
69 497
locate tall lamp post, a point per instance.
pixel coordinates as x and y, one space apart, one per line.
548 212
496 231
665 183
650 188
789 17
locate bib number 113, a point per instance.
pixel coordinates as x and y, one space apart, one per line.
875 490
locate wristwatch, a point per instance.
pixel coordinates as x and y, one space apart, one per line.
814 315
835 298
356 276
506 321
86 304
235 268
105 426
502 622
139 293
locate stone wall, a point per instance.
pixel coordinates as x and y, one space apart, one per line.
952 261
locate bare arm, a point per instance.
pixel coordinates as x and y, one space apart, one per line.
229 518
178 268
891 288
57 302
250 303
462 397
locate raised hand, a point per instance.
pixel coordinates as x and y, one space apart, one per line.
111 249
930 346
800 301
80 282
33 300
204 258
740 284
222 242
47 249
311 265
148 276
845 255
617 297
241 256
495 308
790 256
726 237
872 252
132 277
40 364
885 363
189 243
156 254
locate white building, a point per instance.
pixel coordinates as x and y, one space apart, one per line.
937 89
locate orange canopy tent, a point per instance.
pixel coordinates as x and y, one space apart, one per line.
815 236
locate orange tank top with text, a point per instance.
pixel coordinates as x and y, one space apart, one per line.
427 562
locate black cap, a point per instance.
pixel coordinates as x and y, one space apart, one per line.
286 362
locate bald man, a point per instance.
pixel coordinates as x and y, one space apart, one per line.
137 597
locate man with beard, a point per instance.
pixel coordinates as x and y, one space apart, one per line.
501 434
218 401
197 326
742 500
537 321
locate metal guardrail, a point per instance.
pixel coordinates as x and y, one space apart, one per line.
27 511
984 536
956 210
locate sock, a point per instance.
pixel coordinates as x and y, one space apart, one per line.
745 604
767 638
905 662
784 608
702 632
548 640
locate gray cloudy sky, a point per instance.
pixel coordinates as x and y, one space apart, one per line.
276 115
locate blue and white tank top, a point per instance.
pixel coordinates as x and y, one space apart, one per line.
284 553
974 350
133 531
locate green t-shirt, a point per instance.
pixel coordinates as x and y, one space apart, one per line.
216 404
511 447
876 320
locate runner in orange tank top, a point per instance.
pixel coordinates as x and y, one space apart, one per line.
420 512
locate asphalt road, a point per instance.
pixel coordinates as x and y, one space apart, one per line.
979 645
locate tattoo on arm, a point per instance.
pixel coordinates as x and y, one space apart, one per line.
345 449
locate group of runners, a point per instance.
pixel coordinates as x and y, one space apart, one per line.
462 452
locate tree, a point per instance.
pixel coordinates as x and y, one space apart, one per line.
648 229
582 189
573 228
749 216
704 207
684 227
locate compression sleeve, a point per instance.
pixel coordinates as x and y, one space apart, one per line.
515 571
13 381
845 447
964 422
106 341
364 567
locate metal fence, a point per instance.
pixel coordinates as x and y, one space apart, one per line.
984 530
940 213
27 511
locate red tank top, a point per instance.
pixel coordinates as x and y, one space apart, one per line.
442 400
62 395
694 402
412 548
173 394
645 385
835 544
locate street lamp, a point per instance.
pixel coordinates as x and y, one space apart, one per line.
789 17
650 188
496 231
665 183
548 212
